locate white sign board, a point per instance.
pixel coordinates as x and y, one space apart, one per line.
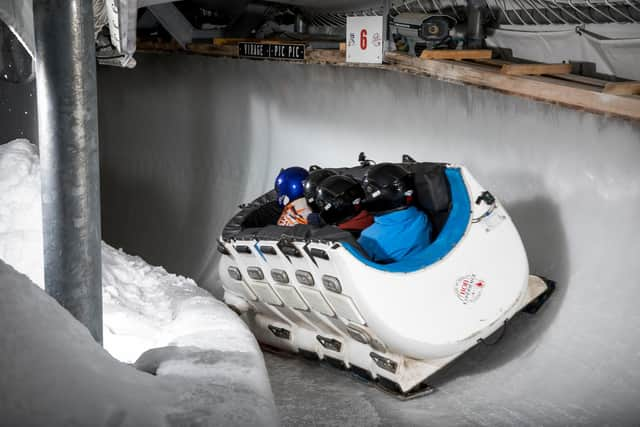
364 39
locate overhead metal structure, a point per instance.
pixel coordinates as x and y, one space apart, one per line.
118 45
178 26
515 12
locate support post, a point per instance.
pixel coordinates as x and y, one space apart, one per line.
475 24
69 159
386 36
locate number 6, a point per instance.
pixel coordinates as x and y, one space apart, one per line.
363 39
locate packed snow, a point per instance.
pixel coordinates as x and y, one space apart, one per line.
144 306
52 373
20 209
163 322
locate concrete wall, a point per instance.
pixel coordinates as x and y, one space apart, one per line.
184 139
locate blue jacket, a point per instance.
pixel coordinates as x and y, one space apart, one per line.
396 235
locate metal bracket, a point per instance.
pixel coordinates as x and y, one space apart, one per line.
177 25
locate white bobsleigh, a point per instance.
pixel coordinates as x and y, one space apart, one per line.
313 291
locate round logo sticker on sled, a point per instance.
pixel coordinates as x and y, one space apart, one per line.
469 288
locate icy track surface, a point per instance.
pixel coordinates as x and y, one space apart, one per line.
208 365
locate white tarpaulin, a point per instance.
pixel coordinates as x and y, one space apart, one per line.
613 48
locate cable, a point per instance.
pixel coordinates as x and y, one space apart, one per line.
484 215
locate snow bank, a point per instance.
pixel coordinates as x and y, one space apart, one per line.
144 306
52 373
20 209
208 364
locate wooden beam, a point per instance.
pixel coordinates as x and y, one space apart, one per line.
219 41
596 83
326 56
198 48
535 69
233 41
546 90
590 81
622 88
456 54
495 62
212 50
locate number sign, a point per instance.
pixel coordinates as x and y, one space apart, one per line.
364 39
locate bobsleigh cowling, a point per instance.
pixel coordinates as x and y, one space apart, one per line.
312 290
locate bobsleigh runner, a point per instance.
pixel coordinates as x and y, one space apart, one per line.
313 290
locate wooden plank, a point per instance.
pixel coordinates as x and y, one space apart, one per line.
586 99
152 45
233 41
484 64
551 79
493 62
566 83
535 69
220 41
596 83
549 89
456 54
577 78
325 56
495 65
211 50
622 88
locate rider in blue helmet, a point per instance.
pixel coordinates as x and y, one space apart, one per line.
290 189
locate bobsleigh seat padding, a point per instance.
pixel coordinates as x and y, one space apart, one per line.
447 239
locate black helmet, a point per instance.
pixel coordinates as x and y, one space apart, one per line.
338 198
311 184
387 187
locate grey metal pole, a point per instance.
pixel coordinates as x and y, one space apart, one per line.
475 24
69 160
386 36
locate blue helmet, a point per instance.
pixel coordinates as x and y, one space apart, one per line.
289 184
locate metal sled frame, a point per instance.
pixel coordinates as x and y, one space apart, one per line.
403 377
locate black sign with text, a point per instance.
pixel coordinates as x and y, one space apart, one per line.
271 50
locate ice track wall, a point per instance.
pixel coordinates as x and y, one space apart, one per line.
184 139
